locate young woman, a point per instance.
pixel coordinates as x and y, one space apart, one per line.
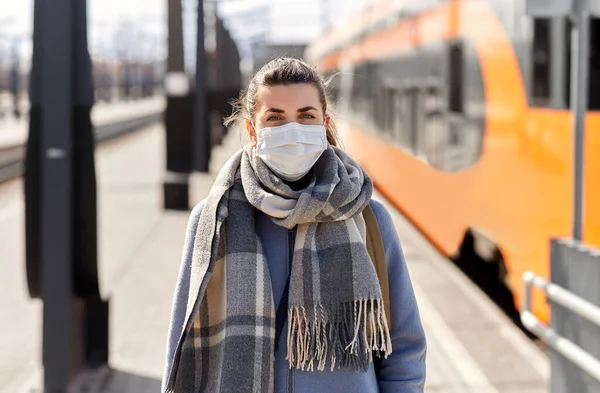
277 292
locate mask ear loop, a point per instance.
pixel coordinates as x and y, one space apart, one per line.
255 133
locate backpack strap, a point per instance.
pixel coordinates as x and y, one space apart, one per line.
377 254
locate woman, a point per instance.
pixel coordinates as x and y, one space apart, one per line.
277 292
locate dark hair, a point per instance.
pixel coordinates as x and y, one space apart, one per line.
282 71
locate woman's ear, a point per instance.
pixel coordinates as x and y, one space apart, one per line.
327 120
251 132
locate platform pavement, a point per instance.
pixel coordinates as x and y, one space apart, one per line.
472 346
7 103
13 132
140 249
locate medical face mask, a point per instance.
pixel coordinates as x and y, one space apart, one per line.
291 150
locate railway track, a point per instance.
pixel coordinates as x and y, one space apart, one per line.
12 157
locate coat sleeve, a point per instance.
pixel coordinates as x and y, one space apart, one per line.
404 369
181 292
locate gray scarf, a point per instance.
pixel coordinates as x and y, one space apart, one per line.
336 311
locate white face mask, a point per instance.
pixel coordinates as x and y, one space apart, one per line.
291 150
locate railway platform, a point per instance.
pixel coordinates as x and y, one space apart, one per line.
472 346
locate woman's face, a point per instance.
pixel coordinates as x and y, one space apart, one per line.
281 104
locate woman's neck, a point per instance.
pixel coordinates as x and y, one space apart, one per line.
300 184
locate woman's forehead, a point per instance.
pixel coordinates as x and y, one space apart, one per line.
288 97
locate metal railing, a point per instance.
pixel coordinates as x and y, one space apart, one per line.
574 304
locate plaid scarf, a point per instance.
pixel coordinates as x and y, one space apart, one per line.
335 312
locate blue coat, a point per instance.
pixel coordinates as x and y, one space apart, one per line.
402 372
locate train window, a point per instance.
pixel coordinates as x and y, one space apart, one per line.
392 95
416 120
566 80
384 113
594 76
594 66
433 127
375 101
358 93
541 62
403 120
383 108
456 75
396 116
378 105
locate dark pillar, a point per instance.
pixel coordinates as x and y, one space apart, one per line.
201 138
60 196
178 116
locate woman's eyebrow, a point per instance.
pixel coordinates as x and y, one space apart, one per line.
276 110
307 108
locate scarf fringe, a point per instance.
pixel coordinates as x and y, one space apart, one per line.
354 330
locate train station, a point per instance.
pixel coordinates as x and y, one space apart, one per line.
299 196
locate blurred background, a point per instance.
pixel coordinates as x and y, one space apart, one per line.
127 39
476 119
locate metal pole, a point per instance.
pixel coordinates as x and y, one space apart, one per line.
56 218
202 140
178 116
33 157
580 41
94 322
60 196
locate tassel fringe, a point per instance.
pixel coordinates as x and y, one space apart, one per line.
347 334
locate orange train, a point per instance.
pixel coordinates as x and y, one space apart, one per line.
459 111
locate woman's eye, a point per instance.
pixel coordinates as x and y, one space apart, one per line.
273 118
307 116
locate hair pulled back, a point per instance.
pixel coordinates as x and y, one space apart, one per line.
281 71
